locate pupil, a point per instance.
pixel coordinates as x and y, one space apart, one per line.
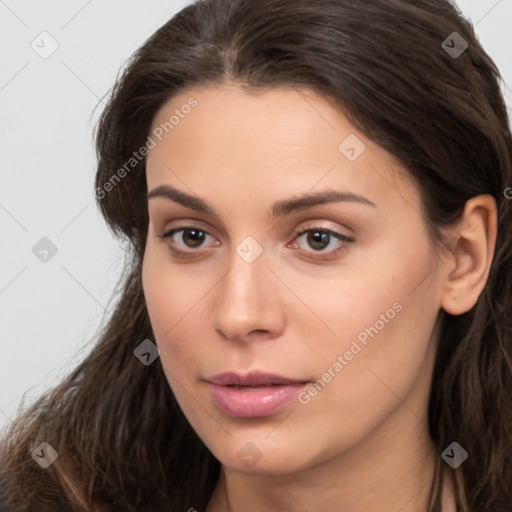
194 236
318 239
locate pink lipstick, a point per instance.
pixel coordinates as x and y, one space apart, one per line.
253 395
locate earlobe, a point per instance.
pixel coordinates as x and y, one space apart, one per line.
473 239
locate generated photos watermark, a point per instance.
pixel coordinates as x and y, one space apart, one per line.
357 345
138 156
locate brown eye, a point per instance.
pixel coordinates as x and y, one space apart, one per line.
187 238
318 239
324 242
193 237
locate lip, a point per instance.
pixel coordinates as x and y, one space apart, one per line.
261 394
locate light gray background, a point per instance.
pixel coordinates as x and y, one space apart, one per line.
48 107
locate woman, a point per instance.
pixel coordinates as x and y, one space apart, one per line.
316 312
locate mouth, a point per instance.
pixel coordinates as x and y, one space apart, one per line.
252 379
253 395
248 388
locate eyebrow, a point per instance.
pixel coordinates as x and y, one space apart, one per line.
279 208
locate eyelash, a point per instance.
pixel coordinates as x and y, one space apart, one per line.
333 252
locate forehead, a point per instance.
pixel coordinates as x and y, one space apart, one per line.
263 143
268 118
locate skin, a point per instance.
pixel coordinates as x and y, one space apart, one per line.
362 442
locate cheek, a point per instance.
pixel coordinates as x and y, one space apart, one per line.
383 298
382 350
177 305
174 299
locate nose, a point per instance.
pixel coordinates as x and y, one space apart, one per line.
248 304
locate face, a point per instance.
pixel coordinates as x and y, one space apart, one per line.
290 281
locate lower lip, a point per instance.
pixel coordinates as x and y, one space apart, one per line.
254 402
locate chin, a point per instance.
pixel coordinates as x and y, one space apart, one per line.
249 454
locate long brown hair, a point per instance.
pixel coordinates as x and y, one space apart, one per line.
122 440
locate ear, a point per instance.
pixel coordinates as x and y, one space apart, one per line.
472 243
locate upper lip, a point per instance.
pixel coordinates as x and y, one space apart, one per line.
255 379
